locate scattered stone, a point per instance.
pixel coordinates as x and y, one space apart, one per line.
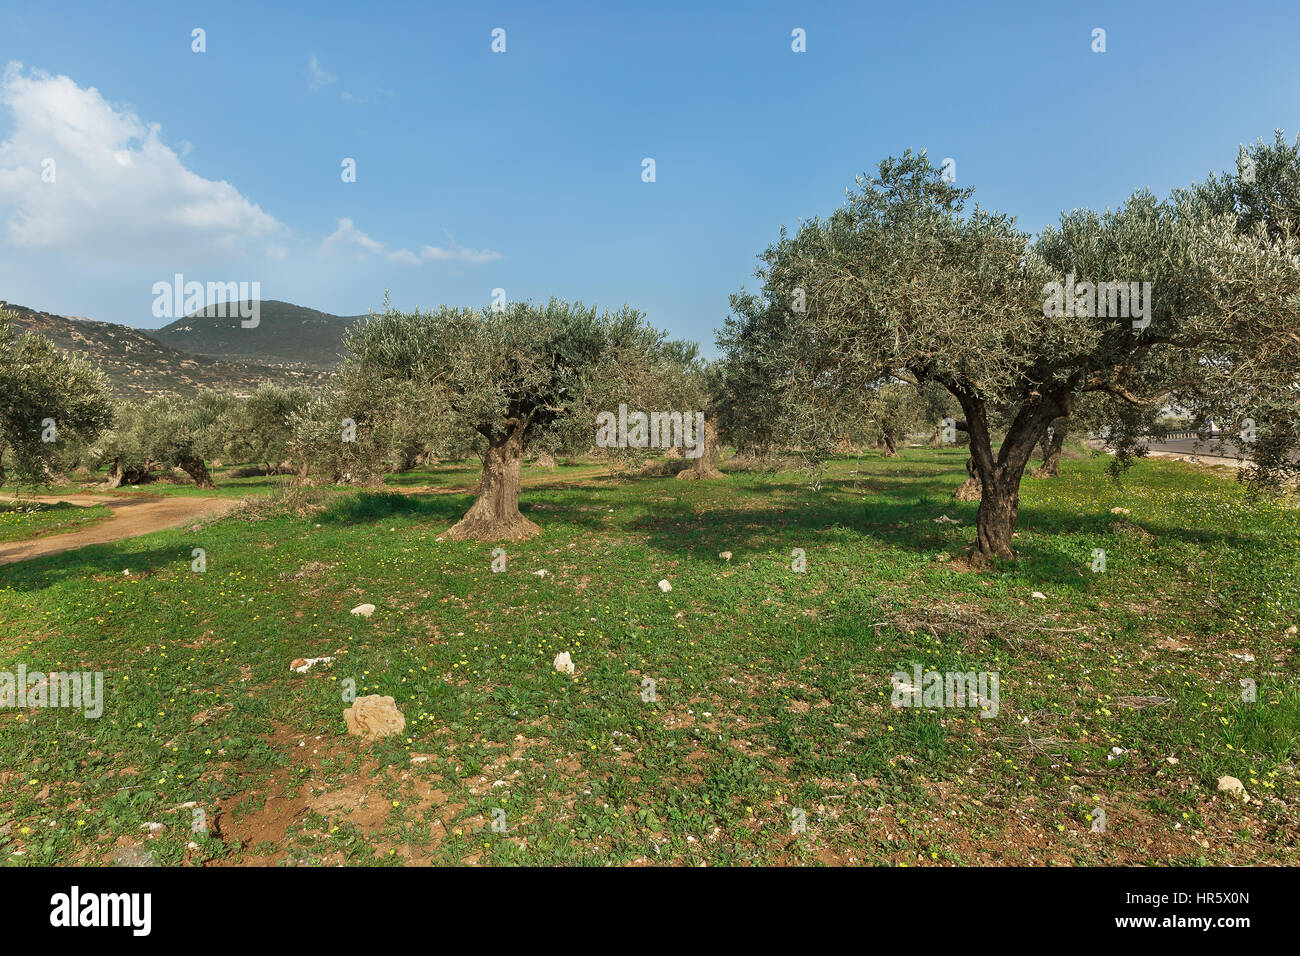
1039 596
1172 761
373 717
153 827
725 555
665 586
541 573
1120 511
1292 630
1233 787
564 663
133 856
363 610
303 664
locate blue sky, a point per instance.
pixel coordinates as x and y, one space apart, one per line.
522 170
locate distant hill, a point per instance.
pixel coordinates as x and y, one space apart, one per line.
138 366
284 333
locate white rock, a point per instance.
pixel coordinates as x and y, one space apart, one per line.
364 610
1172 761
303 664
1120 511
1039 596
541 573
725 555
1233 787
665 586
564 663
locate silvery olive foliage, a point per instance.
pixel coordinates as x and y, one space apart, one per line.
48 399
165 432
519 377
909 280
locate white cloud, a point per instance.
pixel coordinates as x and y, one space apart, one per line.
121 197
119 193
316 76
347 238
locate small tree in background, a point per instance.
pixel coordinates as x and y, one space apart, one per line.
169 432
513 376
47 399
259 428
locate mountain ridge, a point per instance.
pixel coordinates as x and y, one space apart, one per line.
285 333
139 366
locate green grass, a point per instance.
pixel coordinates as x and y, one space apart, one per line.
459 474
21 520
773 687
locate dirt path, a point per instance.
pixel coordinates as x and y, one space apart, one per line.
132 517
139 514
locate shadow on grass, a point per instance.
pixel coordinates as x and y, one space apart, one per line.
88 562
700 519
370 506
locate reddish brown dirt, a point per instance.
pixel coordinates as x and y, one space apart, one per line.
132 516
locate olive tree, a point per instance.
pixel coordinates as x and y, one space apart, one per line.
259 428
168 432
1142 304
47 399
514 376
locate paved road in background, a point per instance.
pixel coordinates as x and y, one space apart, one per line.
1195 446
1201 448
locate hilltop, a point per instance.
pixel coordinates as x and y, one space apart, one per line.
285 333
138 366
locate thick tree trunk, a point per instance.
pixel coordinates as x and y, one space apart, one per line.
1051 466
117 475
970 489
891 445
1000 475
495 515
196 469
706 465
996 522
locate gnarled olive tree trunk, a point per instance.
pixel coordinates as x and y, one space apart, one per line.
495 516
706 465
970 489
1051 466
119 475
198 470
1000 474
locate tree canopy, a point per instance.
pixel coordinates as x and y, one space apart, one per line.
47 398
1159 301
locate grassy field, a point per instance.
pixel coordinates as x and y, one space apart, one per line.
1119 689
21 520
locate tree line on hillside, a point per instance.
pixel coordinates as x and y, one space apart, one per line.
910 310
